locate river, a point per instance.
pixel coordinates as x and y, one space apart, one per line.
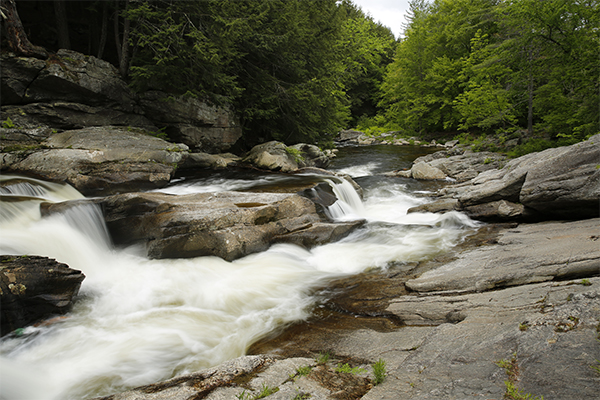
137 321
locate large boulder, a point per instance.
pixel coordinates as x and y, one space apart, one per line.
559 182
424 171
272 156
186 119
101 160
556 183
33 288
67 76
225 224
276 156
567 182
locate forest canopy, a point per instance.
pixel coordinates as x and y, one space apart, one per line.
301 70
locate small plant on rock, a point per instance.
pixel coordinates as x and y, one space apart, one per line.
379 372
8 124
347 369
511 367
295 153
323 358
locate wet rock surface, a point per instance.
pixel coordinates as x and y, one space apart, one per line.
229 225
33 288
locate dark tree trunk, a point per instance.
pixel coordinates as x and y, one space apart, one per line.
117 34
16 36
104 30
530 94
125 50
62 24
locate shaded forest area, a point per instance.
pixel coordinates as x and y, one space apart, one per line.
301 70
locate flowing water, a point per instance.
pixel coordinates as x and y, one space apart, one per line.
139 321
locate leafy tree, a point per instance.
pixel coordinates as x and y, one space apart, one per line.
560 72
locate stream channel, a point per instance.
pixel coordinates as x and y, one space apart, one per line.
137 321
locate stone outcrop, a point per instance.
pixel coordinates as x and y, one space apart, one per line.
551 250
33 288
424 171
101 160
276 156
73 91
556 183
201 126
229 225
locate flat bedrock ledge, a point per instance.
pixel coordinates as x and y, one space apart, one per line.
529 253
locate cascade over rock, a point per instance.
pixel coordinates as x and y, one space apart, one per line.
229 225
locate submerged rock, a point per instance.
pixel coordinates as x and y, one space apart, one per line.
33 288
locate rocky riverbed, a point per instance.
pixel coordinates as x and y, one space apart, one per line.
513 309
537 332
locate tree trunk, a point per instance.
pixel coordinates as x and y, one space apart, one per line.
125 51
117 35
62 24
104 30
530 95
16 36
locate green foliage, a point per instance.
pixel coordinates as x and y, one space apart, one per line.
303 371
379 372
514 393
596 367
347 369
295 153
323 358
489 66
537 144
8 124
265 391
511 368
283 64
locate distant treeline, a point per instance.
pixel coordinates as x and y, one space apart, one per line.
300 70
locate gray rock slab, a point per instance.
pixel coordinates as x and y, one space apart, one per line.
105 159
567 182
527 254
550 328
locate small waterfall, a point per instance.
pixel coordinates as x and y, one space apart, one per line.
12 185
20 198
349 205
